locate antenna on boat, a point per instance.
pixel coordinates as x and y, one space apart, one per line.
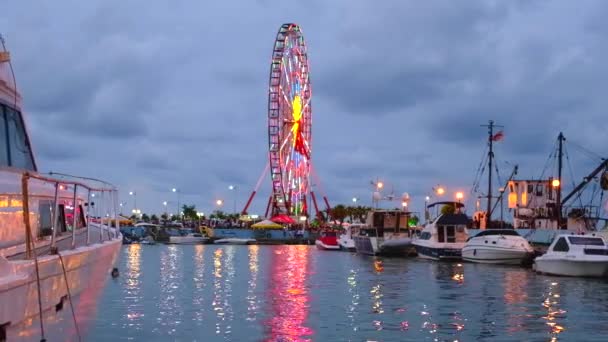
491 138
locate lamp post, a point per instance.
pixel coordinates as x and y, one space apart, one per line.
165 207
134 194
378 185
233 188
459 197
176 191
426 208
502 222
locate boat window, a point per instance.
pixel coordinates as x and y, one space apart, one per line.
530 188
45 222
425 236
451 234
497 232
561 245
539 189
585 240
17 152
440 234
596 251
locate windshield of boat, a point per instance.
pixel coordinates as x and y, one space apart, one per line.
425 236
497 232
586 241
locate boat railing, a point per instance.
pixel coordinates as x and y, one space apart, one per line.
35 209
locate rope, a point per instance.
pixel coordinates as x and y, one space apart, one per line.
67 285
32 247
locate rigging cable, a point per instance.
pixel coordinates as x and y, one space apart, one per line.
578 196
480 169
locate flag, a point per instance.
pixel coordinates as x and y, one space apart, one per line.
498 136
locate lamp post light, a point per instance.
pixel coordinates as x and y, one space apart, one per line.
376 196
426 209
219 202
165 207
234 188
176 191
134 194
355 199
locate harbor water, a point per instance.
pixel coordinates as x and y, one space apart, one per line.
299 293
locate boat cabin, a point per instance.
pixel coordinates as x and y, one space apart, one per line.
449 228
379 222
587 244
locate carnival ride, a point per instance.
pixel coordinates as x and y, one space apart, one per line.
289 128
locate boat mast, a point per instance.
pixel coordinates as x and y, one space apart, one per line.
558 200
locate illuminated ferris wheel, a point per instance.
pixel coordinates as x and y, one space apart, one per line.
289 122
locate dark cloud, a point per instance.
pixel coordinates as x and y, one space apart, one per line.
153 96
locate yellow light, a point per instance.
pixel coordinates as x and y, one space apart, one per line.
440 191
555 183
459 195
380 185
296 105
404 204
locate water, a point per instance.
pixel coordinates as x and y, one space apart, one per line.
298 293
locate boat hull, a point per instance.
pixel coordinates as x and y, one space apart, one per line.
87 269
347 244
496 255
328 247
438 253
187 240
571 268
234 241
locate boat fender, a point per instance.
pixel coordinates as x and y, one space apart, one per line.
115 272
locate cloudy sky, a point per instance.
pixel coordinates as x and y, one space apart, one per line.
152 95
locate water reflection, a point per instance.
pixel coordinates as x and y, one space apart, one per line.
199 283
132 289
171 273
223 272
289 294
252 302
555 315
354 294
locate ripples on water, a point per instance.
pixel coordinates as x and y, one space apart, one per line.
297 293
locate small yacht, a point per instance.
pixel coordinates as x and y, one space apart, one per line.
328 240
346 240
575 256
386 232
498 246
188 237
444 237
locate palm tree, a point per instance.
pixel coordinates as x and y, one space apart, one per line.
189 212
339 213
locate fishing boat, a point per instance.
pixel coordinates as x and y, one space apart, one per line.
575 256
328 240
444 237
386 232
498 246
60 235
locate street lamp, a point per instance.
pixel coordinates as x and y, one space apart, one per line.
134 194
233 187
440 190
219 202
355 199
176 191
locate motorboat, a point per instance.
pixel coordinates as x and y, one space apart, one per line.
58 244
346 240
234 241
444 237
498 246
576 256
187 237
386 232
328 240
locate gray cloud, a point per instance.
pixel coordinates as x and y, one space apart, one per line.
153 96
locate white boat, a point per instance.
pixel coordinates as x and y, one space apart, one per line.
386 232
188 238
60 250
346 240
576 256
445 237
498 246
234 241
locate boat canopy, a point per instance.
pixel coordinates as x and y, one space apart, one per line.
266 224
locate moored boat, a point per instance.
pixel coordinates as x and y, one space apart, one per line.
188 237
444 237
387 233
327 240
498 246
234 241
346 239
59 238
575 256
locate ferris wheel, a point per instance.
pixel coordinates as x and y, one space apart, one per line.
289 122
